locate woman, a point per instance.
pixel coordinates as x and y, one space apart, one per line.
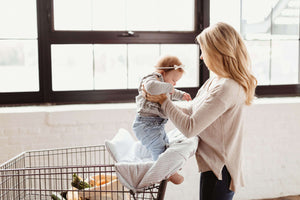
215 114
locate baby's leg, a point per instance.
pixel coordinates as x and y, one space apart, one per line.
176 178
152 134
157 146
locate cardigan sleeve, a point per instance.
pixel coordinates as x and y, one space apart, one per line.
191 124
185 109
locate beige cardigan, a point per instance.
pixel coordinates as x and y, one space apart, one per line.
215 116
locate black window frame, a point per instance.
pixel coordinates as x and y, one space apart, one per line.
48 36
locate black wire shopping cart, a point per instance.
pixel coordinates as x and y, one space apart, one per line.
79 173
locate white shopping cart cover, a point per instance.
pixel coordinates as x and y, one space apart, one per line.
134 165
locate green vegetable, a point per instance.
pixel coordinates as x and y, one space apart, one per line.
79 184
54 197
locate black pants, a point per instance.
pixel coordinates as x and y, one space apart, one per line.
213 189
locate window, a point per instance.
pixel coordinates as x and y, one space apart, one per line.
18 47
87 51
272 35
271 31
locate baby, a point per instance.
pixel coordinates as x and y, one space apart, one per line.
149 125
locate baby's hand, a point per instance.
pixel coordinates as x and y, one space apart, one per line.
173 90
187 97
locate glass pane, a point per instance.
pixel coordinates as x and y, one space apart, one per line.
189 56
72 67
18 66
170 15
18 19
110 66
256 25
141 61
260 60
225 11
109 15
285 21
285 63
140 15
176 15
72 14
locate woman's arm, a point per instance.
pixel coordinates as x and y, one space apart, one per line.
161 98
220 97
187 109
192 125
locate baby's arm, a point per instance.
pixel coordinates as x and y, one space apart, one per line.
181 95
155 87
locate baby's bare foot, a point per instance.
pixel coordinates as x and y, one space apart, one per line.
176 178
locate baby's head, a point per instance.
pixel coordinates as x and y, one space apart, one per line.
171 69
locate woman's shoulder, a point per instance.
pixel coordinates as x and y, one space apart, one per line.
227 87
217 82
229 84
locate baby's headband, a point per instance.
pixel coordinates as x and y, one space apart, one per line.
174 67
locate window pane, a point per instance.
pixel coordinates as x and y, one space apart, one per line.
285 64
18 66
275 59
260 60
72 14
277 66
109 15
18 19
170 15
176 15
285 22
72 67
272 17
139 15
189 56
141 61
225 11
115 66
256 25
110 66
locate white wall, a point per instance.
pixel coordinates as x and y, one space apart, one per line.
272 160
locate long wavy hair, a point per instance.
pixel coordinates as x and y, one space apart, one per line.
228 57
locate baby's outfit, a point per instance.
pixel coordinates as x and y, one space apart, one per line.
149 125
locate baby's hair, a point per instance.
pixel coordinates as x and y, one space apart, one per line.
167 62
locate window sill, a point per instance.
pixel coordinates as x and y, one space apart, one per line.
277 100
120 106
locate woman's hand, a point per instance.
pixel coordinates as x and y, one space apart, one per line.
154 98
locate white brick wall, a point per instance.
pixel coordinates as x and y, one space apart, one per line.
272 150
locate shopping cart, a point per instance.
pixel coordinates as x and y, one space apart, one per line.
49 174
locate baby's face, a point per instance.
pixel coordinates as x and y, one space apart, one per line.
172 76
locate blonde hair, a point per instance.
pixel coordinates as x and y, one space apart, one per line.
228 56
168 61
